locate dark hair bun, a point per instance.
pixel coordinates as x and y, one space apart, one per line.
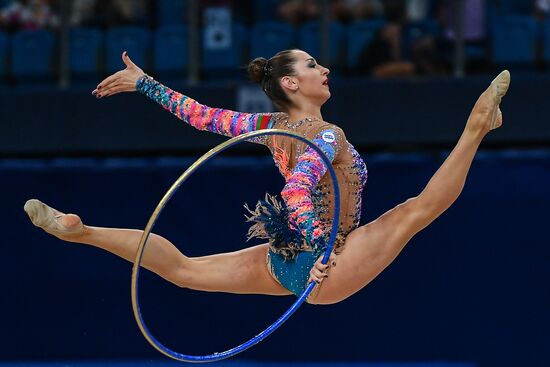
256 69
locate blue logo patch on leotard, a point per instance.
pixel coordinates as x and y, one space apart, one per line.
329 137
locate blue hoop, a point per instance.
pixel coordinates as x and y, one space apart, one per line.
258 338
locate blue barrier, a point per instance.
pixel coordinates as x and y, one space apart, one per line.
471 287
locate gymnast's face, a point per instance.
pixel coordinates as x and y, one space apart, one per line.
310 81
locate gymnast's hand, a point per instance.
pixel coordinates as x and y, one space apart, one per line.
121 81
319 270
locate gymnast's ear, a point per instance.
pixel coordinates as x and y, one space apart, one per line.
289 83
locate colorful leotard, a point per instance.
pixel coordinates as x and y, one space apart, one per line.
298 228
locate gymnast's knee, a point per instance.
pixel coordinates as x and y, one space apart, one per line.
188 274
418 213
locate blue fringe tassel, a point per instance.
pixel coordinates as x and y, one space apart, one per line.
271 222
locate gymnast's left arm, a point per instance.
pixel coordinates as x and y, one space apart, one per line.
309 170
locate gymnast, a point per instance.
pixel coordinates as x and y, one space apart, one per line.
296 226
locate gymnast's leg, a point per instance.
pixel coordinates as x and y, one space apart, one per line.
243 271
371 248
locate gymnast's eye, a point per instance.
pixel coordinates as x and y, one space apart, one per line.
312 65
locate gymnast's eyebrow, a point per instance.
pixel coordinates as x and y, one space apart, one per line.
311 59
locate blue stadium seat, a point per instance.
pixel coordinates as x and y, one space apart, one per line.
134 40
224 62
86 46
170 50
513 40
546 40
268 38
171 12
32 55
3 54
516 7
265 10
309 40
359 35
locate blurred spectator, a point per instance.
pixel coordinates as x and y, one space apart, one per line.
418 10
111 13
85 13
382 57
474 19
393 52
542 8
28 14
355 10
299 11
473 30
127 12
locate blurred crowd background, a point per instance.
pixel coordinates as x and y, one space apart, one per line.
61 40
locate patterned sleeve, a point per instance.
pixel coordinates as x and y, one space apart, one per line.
201 117
307 173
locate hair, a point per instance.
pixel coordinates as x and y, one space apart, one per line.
268 74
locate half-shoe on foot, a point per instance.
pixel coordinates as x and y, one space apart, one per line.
500 86
45 217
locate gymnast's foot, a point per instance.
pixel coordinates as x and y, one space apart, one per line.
67 227
486 114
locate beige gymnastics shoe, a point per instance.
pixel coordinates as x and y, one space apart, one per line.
46 218
500 85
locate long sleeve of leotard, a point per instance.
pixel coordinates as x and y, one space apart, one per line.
201 117
307 173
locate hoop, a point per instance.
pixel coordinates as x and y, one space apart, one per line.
199 162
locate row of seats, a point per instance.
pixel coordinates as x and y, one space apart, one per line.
24 54
175 11
165 50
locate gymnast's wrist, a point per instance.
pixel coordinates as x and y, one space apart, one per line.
144 83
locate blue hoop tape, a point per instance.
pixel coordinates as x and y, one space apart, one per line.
261 336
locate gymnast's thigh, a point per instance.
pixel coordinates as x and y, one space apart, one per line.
243 272
368 250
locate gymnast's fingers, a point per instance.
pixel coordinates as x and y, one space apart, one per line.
112 89
318 273
121 87
107 81
319 266
323 267
314 279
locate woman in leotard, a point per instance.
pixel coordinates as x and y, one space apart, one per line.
295 226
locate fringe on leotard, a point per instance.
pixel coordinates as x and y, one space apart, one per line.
271 222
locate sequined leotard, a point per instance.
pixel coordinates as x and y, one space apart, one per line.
304 218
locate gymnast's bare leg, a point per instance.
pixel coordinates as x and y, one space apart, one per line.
243 272
371 248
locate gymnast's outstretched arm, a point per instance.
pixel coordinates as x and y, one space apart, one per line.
216 120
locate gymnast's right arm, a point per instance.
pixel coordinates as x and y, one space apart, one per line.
201 117
217 120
